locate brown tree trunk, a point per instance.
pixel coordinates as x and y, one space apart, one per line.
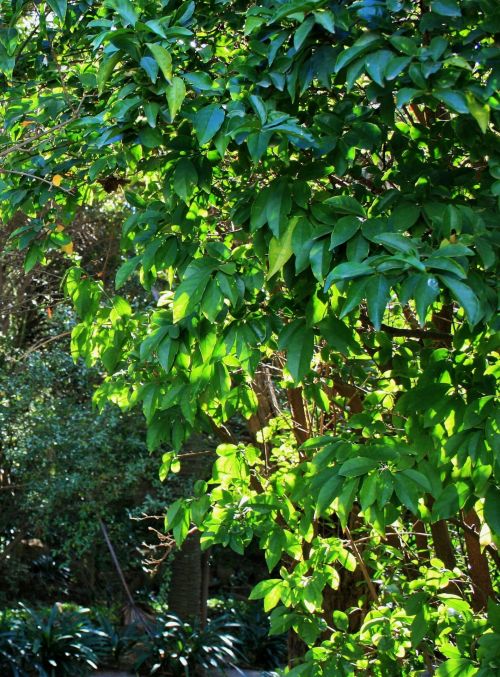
478 564
185 594
189 583
442 544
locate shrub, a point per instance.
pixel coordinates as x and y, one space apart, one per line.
117 642
13 648
175 647
49 643
250 626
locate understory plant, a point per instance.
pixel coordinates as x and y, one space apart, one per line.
49 643
249 624
175 647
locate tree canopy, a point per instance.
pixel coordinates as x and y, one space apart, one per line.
311 191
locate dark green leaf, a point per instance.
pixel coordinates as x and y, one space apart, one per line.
465 297
377 295
355 467
298 341
446 7
59 7
207 122
185 179
347 271
343 230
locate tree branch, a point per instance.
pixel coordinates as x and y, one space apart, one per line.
34 176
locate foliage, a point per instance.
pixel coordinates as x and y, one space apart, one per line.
62 641
117 642
12 648
250 626
63 464
312 190
175 647
50 643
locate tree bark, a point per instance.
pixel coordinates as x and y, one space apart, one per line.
189 583
478 564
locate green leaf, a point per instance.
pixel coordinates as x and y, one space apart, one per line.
341 620
420 626
280 250
492 509
176 93
125 271
407 492
327 494
347 271
59 8
344 230
33 256
377 295
355 467
277 206
405 95
106 67
368 491
151 67
456 667
396 242
339 336
355 293
126 11
450 501
162 58
465 297
480 112
185 179
190 292
359 47
345 205
151 110
264 587
404 44
426 292
167 351
418 478
298 341
446 7
376 65
454 99
302 32
208 121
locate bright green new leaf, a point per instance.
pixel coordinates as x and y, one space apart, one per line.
190 292
280 250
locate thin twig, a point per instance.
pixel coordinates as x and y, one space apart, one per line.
34 176
362 566
45 341
19 146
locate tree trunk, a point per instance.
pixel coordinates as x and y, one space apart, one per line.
185 595
478 564
189 583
